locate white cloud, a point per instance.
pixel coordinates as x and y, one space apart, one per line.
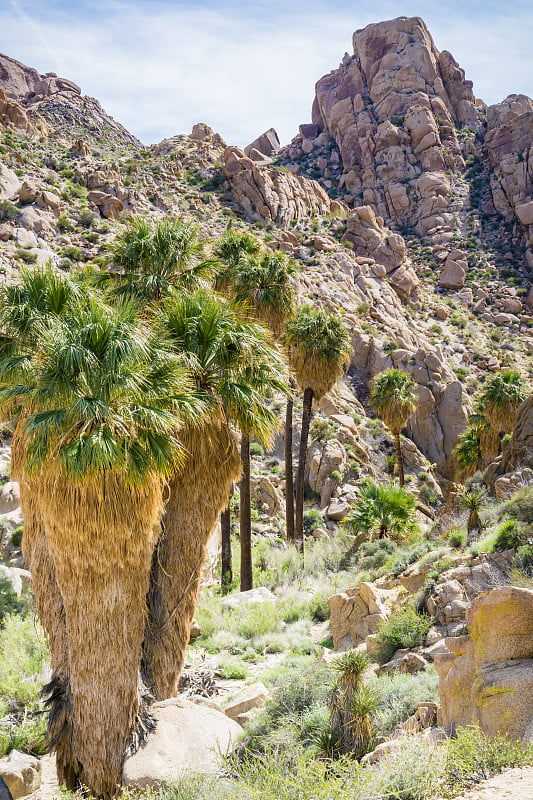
159 67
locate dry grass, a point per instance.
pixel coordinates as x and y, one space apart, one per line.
314 372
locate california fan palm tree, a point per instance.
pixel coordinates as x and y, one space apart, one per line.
317 343
393 399
152 260
41 298
264 283
234 367
500 399
99 413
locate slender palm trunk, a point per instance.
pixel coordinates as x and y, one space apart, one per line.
101 535
226 571
300 475
399 457
198 494
289 474
245 518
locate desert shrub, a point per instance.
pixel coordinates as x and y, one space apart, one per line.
256 449
373 555
9 602
232 668
413 772
519 506
87 218
457 538
73 252
256 619
428 493
26 256
16 536
524 559
318 606
321 428
400 695
404 628
8 211
23 657
509 535
313 519
473 756
64 224
408 555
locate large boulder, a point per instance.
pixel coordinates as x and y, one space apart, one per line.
267 144
486 678
21 773
259 595
187 738
248 699
358 612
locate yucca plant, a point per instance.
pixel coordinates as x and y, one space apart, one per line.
473 500
352 704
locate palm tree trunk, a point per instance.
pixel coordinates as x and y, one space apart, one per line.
226 571
198 494
289 474
245 518
101 534
399 457
300 475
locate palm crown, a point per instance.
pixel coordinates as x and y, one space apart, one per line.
233 362
154 260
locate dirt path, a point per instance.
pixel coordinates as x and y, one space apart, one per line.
513 784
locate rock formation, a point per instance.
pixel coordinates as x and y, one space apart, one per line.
392 109
273 194
357 613
61 104
486 678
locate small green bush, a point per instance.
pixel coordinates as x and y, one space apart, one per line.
473 756
404 628
509 535
64 224
8 211
233 669
457 538
428 493
26 256
524 559
313 519
256 449
373 555
9 602
87 218
16 536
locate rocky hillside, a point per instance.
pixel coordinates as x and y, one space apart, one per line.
406 201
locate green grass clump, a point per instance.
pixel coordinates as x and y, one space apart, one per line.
233 669
509 535
457 538
404 628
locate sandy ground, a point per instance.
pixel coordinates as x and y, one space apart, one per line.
513 784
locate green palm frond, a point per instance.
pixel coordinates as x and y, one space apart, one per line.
384 508
393 397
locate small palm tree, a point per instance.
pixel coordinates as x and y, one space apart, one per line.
500 399
99 411
473 500
385 509
317 344
151 261
393 399
235 368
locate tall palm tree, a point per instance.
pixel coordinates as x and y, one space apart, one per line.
393 398
99 413
317 343
264 282
41 298
500 399
234 367
152 260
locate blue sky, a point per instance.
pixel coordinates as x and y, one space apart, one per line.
159 66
